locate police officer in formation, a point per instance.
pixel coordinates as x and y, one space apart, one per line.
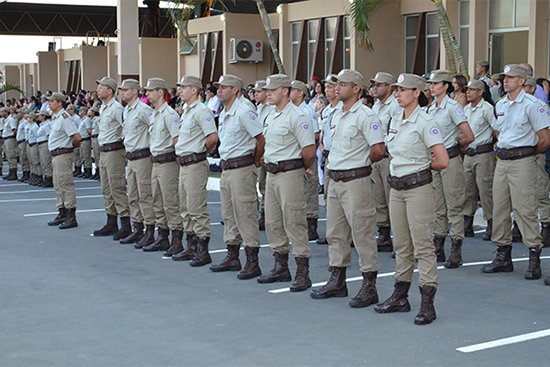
10 142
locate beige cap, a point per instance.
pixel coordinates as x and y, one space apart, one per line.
259 85
385 78
156 83
95 107
476 84
514 70
191 81
531 82
85 109
32 115
410 81
43 113
437 76
229 80
351 76
109 82
23 110
129 84
277 81
57 97
483 63
301 86
71 107
330 79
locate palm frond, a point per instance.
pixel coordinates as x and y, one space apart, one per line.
360 11
6 87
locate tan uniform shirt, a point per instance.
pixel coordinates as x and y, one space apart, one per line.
110 122
409 142
62 129
448 116
355 132
9 125
164 128
196 123
263 110
385 111
286 133
481 119
95 125
238 128
312 115
136 119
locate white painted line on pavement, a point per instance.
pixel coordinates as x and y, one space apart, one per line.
46 190
54 213
47 199
505 341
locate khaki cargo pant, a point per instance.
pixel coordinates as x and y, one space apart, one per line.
29 157
262 175
543 200
239 206
379 177
351 215
86 153
23 158
166 201
10 150
193 199
45 160
63 181
140 196
449 198
96 152
35 159
412 217
285 212
112 169
312 192
478 173
514 188
77 157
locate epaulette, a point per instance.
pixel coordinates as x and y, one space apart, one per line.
65 115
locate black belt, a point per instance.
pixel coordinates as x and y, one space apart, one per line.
9 137
284 166
410 181
238 162
21 141
326 153
480 149
515 153
60 151
453 151
86 139
138 154
349 174
164 158
42 142
32 144
111 147
189 159
95 135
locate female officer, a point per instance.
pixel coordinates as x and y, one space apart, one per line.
416 148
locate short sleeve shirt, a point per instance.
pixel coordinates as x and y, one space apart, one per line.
263 110
409 142
32 129
196 123
95 125
311 113
164 128
43 131
238 129
110 122
21 130
355 132
326 124
85 124
448 116
518 121
136 119
481 119
9 125
286 133
385 111
62 130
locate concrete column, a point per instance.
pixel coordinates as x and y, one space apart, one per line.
478 48
538 36
128 51
451 6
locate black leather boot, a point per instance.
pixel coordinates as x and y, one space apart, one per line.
367 294
125 229
502 261
175 246
109 229
202 256
533 269
488 230
77 171
301 280
135 236
148 237
231 261
26 176
161 243
60 218
439 244
312 234
87 173
280 271
469 226
426 314
335 286
189 252
398 301
48 181
455 257
383 241
12 175
251 268
70 219
545 233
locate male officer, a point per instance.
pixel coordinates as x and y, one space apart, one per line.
63 138
84 129
351 208
290 148
385 107
22 143
71 110
94 115
482 71
10 143
198 135
136 142
242 146
164 176
112 165
522 128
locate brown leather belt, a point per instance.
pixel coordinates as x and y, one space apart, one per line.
164 158
86 139
326 153
515 153
349 174
411 181
238 162
111 147
60 151
284 166
189 159
480 149
95 135
453 151
138 154
21 141
42 142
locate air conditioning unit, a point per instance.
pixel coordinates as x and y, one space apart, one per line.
245 50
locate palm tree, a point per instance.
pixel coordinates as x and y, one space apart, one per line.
6 87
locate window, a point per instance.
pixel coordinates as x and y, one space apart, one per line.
312 31
464 31
330 33
347 44
296 28
411 28
213 44
506 14
432 41
203 44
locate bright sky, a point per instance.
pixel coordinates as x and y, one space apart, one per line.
23 49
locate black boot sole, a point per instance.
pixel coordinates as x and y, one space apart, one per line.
333 294
273 280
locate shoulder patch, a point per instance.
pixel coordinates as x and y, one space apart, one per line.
375 126
252 116
459 111
305 126
208 119
434 131
176 120
65 115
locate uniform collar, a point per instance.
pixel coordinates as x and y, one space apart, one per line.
58 113
518 99
161 108
357 105
108 104
134 104
444 102
389 100
234 107
414 116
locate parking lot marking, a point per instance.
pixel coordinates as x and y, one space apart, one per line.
504 341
